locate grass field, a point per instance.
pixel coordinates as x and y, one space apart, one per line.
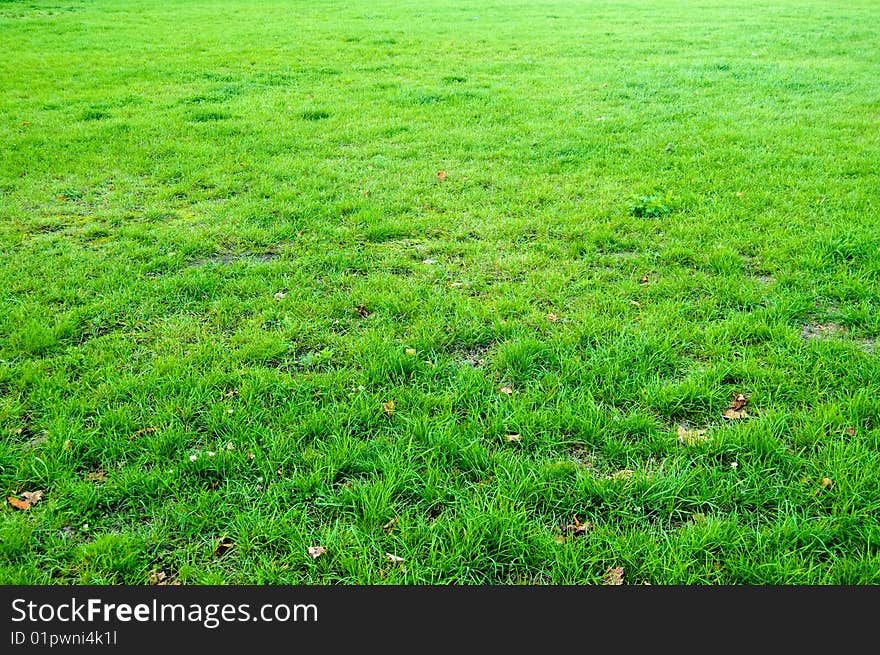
467 283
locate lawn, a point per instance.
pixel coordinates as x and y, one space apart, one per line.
452 292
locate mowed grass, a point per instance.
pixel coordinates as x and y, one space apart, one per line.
227 249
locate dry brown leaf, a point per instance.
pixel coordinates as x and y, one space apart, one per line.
316 551
388 408
23 505
739 401
222 546
394 559
33 497
441 175
613 576
552 317
736 411
826 483
577 528
506 389
850 431
362 311
389 527
690 437
97 476
162 579
513 438
644 279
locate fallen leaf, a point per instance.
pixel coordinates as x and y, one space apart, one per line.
388 408
389 527
97 476
25 123
644 279
506 389
394 559
23 505
691 437
316 551
162 579
222 546
635 303
577 528
410 351
850 432
552 317
33 497
613 576
441 175
513 438
736 411
360 309
826 483
279 295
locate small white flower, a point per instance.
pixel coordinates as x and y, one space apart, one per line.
193 458
211 453
361 387
734 465
429 261
229 411
230 446
260 479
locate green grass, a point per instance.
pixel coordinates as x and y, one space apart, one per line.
170 168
